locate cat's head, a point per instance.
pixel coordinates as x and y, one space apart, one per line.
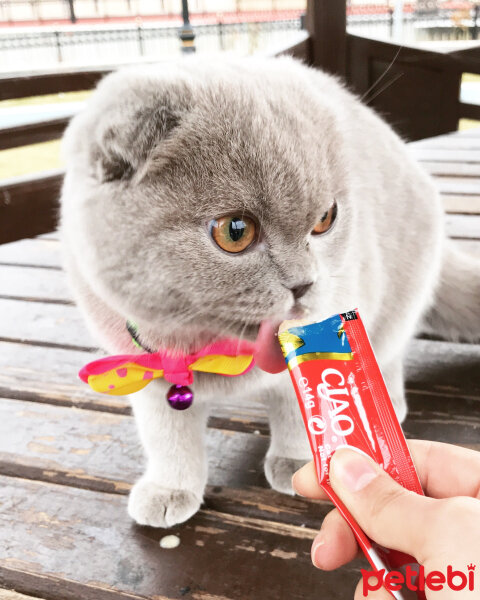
202 198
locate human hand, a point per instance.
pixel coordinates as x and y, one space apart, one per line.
439 530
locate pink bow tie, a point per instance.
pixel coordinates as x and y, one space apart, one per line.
128 373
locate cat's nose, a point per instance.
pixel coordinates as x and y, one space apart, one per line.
300 290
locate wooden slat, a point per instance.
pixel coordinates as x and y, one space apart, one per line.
470 246
452 169
469 133
435 370
452 141
50 534
446 155
37 252
25 85
469 111
463 226
101 452
461 204
29 206
30 283
50 375
458 185
48 324
33 133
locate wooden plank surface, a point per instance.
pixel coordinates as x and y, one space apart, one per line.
37 252
452 169
458 204
452 155
450 142
47 531
33 283
463 226
44 323
458 185
101 452
68 456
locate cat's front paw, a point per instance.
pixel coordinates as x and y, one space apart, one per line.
151 504
279 471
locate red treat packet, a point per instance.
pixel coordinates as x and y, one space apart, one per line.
345 403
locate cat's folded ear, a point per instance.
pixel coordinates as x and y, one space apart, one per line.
125 140
127 118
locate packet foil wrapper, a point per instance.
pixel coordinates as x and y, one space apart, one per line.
345 403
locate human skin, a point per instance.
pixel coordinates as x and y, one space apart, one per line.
428 528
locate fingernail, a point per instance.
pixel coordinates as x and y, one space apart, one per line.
352 469
317 549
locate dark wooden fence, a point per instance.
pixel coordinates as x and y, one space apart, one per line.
416 90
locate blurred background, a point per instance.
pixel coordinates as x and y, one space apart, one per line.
40 35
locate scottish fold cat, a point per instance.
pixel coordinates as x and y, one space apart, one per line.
205 197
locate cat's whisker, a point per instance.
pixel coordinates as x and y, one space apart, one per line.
385 87
374 85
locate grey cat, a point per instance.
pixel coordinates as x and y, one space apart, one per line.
202 198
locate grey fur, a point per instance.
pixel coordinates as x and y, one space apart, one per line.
161 150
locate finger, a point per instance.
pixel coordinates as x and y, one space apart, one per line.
366 589
446 470
305 483
387 512
335 545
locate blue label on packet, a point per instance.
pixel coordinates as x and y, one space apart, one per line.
325 337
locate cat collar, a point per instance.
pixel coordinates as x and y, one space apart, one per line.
128 373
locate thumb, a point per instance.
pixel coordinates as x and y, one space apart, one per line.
388 513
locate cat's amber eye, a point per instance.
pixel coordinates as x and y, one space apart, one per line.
233 233
327 220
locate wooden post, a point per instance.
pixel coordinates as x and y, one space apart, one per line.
327 24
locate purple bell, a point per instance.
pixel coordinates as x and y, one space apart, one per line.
180 397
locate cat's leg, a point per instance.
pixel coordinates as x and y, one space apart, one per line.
289 447
171 489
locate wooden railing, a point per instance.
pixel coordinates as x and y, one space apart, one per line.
417 90
29 204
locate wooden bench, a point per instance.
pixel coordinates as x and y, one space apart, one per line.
68 456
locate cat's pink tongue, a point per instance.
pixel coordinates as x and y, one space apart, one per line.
268 354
